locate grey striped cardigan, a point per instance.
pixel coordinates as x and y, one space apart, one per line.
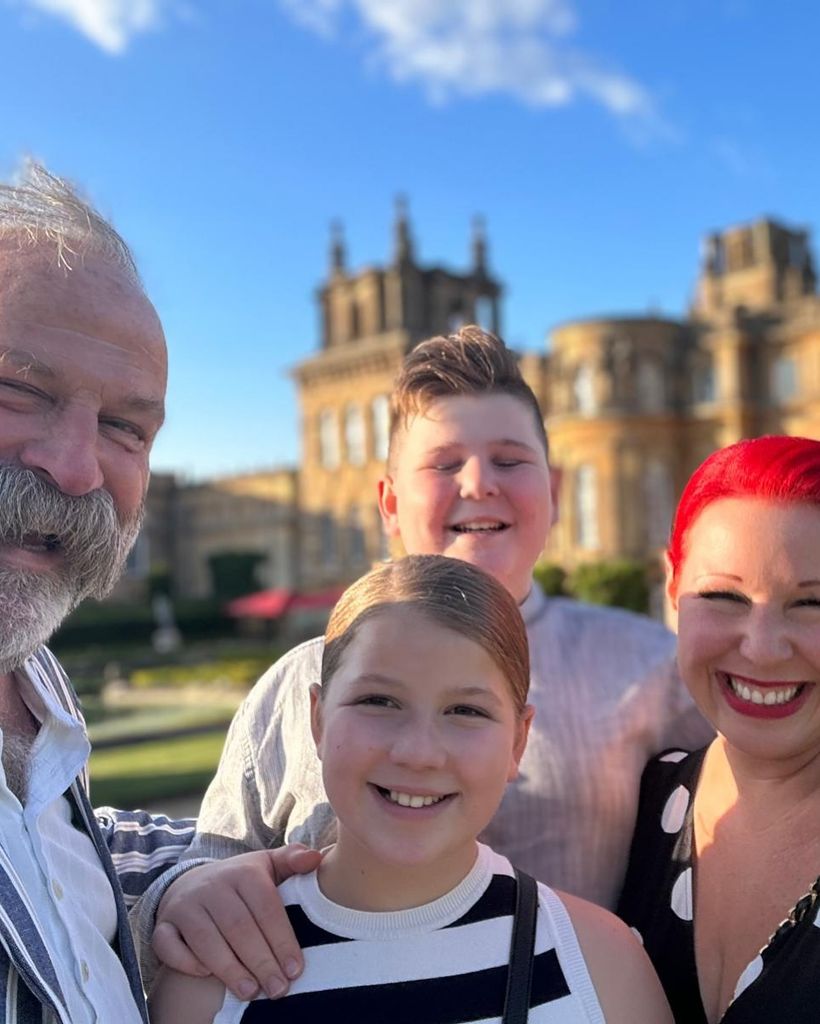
133 847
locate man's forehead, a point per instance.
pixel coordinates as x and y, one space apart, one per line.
93 296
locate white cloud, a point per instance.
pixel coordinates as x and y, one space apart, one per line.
454 48
110 24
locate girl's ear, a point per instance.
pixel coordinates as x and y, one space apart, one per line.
522 731
316 717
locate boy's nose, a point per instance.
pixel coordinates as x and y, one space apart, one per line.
477 479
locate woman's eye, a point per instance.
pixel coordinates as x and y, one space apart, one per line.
722 595
807 602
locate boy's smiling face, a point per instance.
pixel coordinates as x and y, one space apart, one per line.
469 479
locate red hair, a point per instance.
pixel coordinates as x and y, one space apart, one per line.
785 469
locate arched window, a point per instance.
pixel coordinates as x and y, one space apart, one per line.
380 418
657 485
586 507
354 435
328 547
328 439
784 379
583 387
651 390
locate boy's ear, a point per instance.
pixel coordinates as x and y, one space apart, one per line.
388 506
556 475
316 717
520 742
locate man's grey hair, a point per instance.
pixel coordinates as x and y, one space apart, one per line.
39 208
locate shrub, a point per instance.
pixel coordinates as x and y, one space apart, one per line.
232 672
622 584
550 577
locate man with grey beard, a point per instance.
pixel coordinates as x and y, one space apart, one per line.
82 386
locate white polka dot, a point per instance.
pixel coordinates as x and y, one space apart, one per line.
682 895
674 757
637 935
675 810
751 973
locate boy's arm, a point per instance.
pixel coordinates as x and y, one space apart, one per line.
625 981
201 997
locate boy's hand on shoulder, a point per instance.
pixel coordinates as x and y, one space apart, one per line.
226 918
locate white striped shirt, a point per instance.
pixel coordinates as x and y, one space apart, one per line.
442 963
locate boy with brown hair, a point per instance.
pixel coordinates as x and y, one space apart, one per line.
467 476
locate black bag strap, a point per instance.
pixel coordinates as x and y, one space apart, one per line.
519 974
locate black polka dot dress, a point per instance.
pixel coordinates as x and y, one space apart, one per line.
782 983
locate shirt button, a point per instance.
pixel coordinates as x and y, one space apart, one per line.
84 971
57 889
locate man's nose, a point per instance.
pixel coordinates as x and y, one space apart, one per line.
477 478
65 452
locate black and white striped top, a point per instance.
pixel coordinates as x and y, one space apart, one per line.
441 963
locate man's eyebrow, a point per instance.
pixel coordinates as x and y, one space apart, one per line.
24 362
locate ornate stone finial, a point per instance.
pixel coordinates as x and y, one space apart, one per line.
403 241
337 247
479 245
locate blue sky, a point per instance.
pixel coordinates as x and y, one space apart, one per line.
601 140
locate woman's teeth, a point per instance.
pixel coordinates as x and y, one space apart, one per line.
771 695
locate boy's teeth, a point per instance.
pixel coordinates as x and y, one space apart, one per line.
478 527
406 800
771 695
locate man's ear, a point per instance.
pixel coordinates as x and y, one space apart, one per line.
520 744
316 717
388 506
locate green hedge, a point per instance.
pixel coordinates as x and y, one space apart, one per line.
231 672
620 584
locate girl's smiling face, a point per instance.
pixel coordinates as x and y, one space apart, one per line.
748 602
418 734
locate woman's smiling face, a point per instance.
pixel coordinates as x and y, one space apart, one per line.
748 602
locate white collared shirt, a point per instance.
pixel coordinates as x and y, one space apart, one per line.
60 871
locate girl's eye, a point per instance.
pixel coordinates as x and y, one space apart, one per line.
376 700
468 711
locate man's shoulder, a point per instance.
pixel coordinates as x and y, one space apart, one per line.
296 669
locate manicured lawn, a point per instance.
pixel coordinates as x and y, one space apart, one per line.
133 775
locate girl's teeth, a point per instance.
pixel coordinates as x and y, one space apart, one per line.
406 800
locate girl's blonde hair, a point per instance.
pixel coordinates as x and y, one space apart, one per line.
451 593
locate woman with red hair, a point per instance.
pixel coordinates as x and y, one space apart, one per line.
723 881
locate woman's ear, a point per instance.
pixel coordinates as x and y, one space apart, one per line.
671 582
522 731
316 717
